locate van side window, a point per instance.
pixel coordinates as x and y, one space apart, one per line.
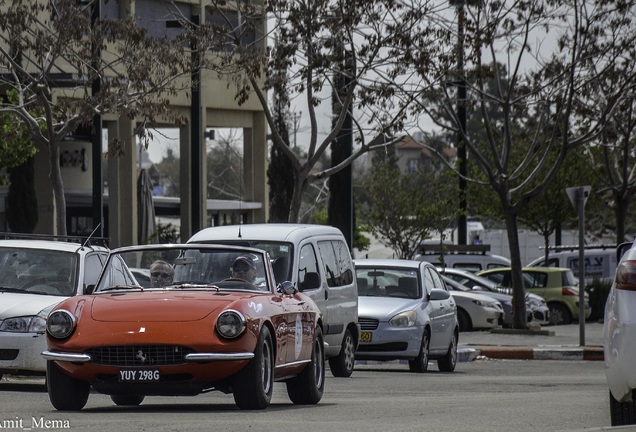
343 258
332 269
307 264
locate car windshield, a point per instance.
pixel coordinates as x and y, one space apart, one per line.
185 267
388 282
279 252
38 271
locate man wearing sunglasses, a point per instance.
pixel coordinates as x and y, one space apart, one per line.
244 268
161 274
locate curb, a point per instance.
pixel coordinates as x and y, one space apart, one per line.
542 353
508 352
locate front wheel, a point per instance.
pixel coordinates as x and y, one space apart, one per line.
127 400
308 386
252 386
420 363
622 413
66 393
449 361
342 365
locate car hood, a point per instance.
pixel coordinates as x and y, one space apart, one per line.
161 306
15 304
471 296
384 308
493 295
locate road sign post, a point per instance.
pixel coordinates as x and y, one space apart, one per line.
578 197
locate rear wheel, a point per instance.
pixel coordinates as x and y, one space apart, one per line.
449 361
308 386
559 314
420 363
342 365
622 413
465 323
66 393
130 400
252 386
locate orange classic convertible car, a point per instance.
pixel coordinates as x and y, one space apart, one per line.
204 318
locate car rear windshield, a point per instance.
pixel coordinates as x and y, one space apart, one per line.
388 282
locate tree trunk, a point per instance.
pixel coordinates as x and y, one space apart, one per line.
294 208
518 291
622 204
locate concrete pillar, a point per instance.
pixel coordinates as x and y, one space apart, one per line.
122 185
255 153
44 193
185 156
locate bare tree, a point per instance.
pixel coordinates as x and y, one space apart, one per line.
613 159
51 54
555 53
312 39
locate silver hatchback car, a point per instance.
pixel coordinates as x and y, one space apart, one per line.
405 312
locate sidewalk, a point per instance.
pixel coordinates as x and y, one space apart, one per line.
549 343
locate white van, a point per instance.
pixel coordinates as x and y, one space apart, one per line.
600 261
473 258
317 260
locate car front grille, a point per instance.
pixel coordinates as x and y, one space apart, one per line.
368 324
139 355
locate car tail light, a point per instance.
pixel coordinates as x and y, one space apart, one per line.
626 276
569 291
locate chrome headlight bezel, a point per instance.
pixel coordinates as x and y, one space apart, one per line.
230 324
61 324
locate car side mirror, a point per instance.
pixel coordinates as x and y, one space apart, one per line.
438 294
89 289
286 288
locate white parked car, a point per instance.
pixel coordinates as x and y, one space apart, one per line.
475 311
619 340
35 275
536 308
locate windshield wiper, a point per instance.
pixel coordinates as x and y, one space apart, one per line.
15 290
121 287
187 285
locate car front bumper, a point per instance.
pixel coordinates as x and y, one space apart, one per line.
20 353
390 343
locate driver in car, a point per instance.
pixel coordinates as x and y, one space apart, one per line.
244 268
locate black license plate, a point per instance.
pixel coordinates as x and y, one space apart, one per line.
139 375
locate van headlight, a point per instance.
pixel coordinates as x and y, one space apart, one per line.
60 324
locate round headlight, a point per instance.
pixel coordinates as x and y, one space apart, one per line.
230 324
60 324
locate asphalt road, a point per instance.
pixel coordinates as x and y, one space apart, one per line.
482 395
